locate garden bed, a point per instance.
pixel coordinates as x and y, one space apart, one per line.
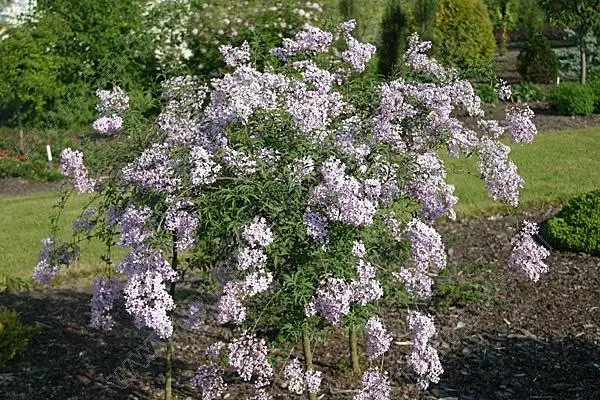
501 336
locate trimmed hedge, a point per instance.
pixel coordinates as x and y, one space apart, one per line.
464 34
576 227
537 62
573 99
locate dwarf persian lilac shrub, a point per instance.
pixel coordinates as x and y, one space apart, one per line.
313 204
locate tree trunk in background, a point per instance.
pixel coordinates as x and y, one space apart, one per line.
583 64
20 126
308 359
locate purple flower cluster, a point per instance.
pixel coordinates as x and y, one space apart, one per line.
301 168
378 339
358 54
503 89
71 165
423 358
248 356
182 221
526 254
209 379
236 56
104 294
195 315
46 269
299 382
86 222
375 386
154 170
521 128
332 300
204 169
133 226
499 173
427 252
417 60
316 226
111 104
311 40
258 233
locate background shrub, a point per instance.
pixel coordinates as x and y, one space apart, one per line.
576 226
573 99
526 92
594 84
394 32
486 92
537 62
464 34
14 336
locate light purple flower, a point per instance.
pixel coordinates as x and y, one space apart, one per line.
209 379
423 358
181 219
258 233
521 128
108 125
526 254
71 165
105 292
248 356
378 339
236 56
46 269
375 386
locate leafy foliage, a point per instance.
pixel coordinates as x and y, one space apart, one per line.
526 92
570 58
464 33
537 62
576 226
486 92
573 99
394 34
14 336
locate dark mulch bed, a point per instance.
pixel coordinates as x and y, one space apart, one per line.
520 340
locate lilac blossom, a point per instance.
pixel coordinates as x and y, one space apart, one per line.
312 379
526 255
214 349
46 269
236 56
258 233
112 101
503 89
133 226
195 315
105 292
182 221
427 251
423 358
365 287
299 382
71 165
332 300
312 111
86 222
417 60
345 141
209 379
154 170
311 40
248 257
108 125
301 168
256 282
500 174
375 386
316 226
321 79
378 339
521 128
248 356
230 304
204 169
358 54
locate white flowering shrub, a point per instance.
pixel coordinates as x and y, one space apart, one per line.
316 191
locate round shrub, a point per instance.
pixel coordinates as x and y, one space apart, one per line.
576 226
486 92
573 99
14 336
594 84
537 62
464 33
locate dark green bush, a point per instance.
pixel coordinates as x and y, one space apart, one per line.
14 336
464 35
573 99
486 92
394 31
594 84
526 92
576 226
537 62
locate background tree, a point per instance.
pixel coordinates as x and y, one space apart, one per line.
394 33
582 16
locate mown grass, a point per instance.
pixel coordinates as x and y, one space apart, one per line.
25 221
556 166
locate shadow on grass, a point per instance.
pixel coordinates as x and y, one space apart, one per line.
522 368
69 360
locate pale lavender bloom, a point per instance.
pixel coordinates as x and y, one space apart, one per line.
248 257
236 56
108 125
204 169
503 89
427 251
261 394
316 226
521 128
332 300
358 54
311 110
348 26
248 356
312 379
301 168
112 101
365 287
240 162
500 174
146 295
423 358
230 304
378 339
46 269
258 233
295 377
321 79
133 226
345 142
428 185
209 379
526 254
85 223
195 316
182 221
311 40
256 282
375 386
105 292
71 165
214 349
179 129
417 60
358 249
154 170
492 128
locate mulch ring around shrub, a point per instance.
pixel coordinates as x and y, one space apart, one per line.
515 340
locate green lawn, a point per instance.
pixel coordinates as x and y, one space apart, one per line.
555 166
25 222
